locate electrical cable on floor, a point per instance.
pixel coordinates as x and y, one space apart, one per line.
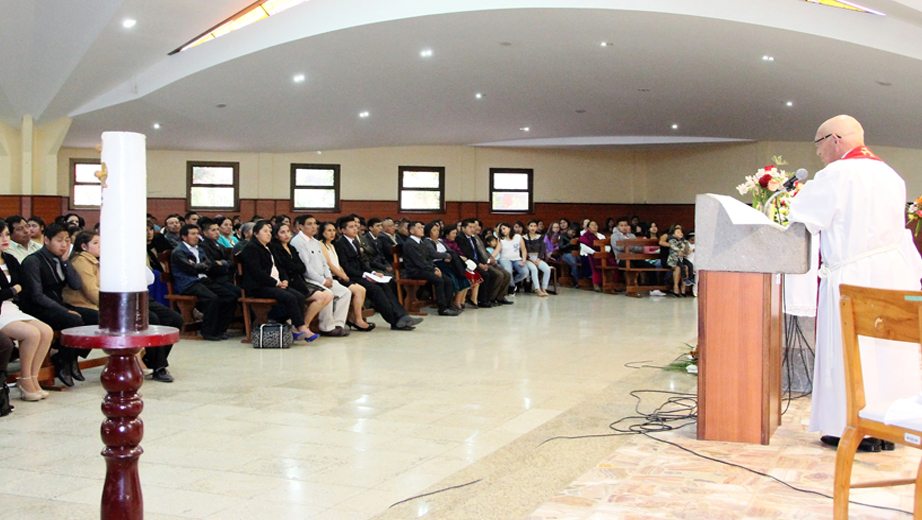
435 492
776 479
658 421
795 342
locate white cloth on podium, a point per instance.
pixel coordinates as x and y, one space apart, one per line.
857 206
800 289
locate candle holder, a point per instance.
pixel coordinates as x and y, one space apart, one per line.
122 332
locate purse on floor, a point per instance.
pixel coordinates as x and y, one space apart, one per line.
272 335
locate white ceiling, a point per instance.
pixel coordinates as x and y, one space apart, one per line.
701 61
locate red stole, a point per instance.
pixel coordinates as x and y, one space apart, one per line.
862 152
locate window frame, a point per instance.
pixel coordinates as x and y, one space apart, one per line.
191 165
72 204
530 191
336 186
440 189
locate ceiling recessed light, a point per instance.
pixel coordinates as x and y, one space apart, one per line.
790 103
319 152
221 105
675 127
156 126
607 44
299 78
364 114
768 58
425 53
128 23
525 129
478 95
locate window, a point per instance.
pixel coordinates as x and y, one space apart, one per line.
212 185
422 189
85 188
315 187
511 190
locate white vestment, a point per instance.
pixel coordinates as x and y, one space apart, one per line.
858 208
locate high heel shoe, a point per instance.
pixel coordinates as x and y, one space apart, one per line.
369 328
26 395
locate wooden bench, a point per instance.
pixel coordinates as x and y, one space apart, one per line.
259 307
46 375
637 263
407 289
181 303
607 265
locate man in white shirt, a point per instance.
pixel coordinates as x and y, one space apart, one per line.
21 243
318 274
856 188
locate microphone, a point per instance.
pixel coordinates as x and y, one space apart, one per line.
799 176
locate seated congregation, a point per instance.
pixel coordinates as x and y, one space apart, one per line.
324 278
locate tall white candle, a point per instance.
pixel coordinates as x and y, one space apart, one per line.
123 216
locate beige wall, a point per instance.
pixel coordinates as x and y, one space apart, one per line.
672 175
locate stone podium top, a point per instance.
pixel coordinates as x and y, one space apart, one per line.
730 236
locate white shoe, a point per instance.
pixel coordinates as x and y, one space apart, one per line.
148 371
657 292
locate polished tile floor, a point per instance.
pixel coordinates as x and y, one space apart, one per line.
648 479
344 428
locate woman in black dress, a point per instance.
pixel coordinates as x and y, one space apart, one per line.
287 259
262 278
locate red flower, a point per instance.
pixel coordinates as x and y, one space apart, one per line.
764 180
769 168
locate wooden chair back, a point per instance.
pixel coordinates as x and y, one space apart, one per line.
883 314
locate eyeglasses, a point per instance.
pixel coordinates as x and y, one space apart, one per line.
818 141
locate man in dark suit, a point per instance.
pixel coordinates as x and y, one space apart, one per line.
382 297
375 256
503 277
386 238
222 267
418 266
473 250
189 264
45 274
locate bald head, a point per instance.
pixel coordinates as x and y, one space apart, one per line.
838 136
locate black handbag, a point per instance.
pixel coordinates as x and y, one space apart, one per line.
272 335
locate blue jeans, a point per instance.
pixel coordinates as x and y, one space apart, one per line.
518 272
545 271
574 265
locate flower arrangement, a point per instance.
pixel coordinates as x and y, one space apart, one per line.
687 362
914 213
763 185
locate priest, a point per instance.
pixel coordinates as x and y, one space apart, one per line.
857 206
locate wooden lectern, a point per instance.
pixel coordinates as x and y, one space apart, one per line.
740 257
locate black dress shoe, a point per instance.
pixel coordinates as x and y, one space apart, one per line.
504 302
75 371
449 312
369 328
485 305
62 370
212 338
163 375
403 327
408 321
868 444
338 332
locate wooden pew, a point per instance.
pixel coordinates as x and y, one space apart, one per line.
46 375
407 288
636 263
259 307
179 302
606 264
